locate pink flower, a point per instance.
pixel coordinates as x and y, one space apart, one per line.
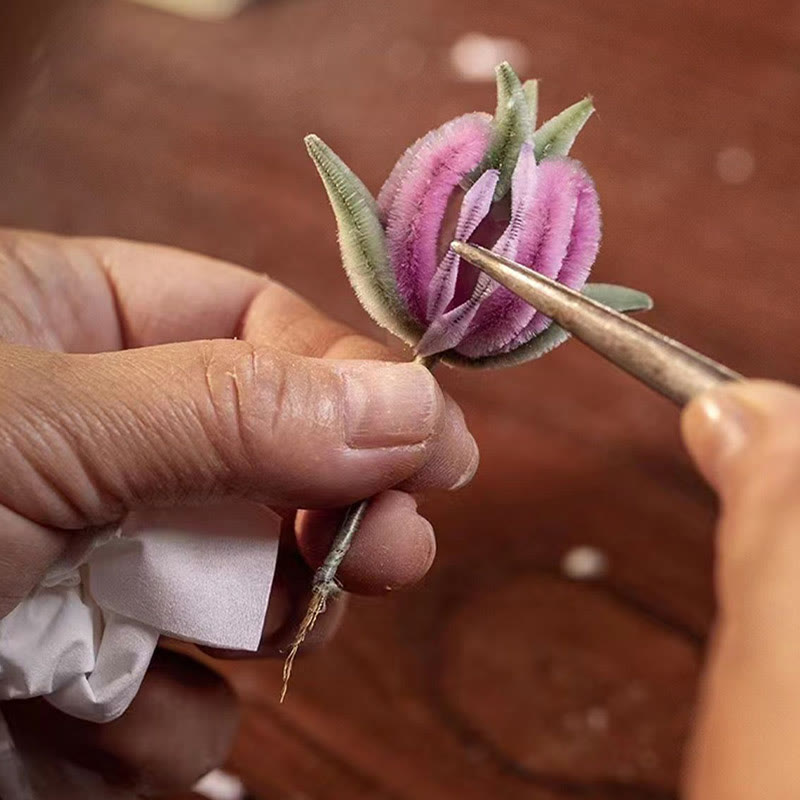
510 188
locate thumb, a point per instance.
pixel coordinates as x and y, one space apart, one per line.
746 440
91 436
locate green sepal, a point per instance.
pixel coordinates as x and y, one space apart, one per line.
556 136
620 298
511 127
531 90
363 243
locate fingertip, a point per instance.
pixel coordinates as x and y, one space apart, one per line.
717 425
395 546
711 430
454 455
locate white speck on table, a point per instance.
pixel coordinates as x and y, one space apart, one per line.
474 56
735 165
584 563
597 719
219 785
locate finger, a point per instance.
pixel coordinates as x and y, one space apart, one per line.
746 440
91 437
140 295
394 546
179 726
26 550
454 458
280 317
95 295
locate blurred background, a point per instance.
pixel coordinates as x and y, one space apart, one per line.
554 650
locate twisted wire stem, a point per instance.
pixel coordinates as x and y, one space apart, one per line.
324 585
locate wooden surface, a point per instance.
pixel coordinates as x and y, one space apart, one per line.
498 677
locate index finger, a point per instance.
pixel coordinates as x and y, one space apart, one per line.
97 295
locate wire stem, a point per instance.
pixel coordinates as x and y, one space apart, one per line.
325 585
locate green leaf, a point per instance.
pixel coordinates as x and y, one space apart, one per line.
531 91
511 126
362 243
620 298
556 136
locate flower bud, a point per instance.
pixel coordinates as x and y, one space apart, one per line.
510 188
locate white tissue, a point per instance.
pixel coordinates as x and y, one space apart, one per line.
84 637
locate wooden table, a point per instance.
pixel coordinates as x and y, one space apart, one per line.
499 677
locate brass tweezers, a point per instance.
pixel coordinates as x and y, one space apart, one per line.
671 368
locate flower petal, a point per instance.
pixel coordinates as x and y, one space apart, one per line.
447 330
388 191
523 199
620 298
474 208
362 243
582 245
557 135
414 200
584 241
541 241
489 299
511 127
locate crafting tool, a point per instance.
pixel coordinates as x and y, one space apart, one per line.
669 367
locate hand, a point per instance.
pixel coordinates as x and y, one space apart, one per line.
746 441
137 376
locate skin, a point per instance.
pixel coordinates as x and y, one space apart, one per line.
746 441
136 376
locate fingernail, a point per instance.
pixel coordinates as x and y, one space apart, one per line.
470 471
430 547
389 405
717 426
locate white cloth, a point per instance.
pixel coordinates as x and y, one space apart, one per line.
84 637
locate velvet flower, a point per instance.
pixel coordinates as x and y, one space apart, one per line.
495 181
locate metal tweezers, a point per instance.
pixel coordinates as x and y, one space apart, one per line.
671 368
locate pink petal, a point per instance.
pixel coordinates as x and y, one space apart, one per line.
447 330
414 199
586 233
523 199
582 250
561 233
502 315
390 186
474 208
